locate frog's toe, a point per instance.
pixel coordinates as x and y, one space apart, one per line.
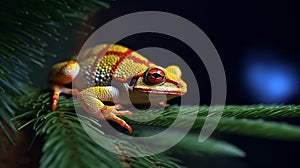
54 103
121 113
127 127
118 106
164 104
113 117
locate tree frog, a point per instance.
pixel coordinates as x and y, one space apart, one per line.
111 72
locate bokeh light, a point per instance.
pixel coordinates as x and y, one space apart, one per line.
268 78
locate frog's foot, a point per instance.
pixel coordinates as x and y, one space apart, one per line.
61 89
111 113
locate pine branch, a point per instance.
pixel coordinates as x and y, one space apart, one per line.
210 147
250 112
255 111
26 25
258 128
23 25
67 143
63 131
230 124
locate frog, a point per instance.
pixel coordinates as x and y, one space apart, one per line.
112 73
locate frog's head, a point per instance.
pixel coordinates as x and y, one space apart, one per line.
158 80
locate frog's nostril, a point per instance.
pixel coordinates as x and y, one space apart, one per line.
133 81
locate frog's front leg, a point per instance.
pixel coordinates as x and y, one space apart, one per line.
91 100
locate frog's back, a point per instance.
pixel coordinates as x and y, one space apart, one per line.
100 64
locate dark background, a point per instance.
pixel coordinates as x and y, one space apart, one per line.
258 42
246 34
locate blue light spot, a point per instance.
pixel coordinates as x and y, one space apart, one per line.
268 79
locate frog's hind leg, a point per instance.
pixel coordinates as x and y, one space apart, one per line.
91 100
59 75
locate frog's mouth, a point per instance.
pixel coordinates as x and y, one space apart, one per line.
136 85
158 91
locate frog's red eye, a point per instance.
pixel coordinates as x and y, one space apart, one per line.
155 76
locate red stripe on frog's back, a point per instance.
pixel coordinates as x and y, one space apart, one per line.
104 62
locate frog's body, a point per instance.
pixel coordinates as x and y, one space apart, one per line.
112 73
